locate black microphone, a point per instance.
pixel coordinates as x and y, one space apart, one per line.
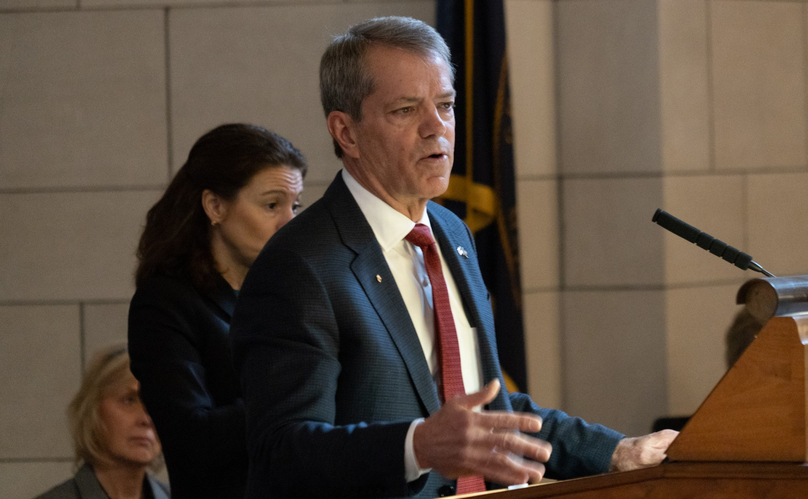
708 242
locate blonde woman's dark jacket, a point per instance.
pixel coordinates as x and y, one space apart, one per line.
84 485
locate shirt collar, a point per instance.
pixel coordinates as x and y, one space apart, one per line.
389 226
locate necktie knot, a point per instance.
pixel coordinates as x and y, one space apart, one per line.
420 236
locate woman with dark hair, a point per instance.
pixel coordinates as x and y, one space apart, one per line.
240 184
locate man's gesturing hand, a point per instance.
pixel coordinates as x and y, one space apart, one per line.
456 441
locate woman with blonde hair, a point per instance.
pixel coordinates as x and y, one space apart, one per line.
113 437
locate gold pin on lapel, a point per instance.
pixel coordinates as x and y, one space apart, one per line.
378 278
462 252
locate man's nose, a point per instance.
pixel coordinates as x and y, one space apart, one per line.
432 123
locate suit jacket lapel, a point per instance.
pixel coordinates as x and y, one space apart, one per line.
371 270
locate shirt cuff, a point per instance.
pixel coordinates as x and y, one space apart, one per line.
411 468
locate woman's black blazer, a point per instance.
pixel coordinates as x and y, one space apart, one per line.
180 352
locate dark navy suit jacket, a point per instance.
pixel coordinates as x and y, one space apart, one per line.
333 371
179 344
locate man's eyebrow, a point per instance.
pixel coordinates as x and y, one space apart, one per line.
407 100
451 94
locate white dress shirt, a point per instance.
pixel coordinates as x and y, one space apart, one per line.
406 263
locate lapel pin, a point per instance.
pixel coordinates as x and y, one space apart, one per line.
378 278
462 252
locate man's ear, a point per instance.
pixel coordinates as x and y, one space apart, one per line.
215 207
343 129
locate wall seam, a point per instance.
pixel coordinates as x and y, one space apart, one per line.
169 135
708 24
562 382
804 80
22 460
83 189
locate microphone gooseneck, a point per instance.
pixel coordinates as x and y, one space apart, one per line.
706 241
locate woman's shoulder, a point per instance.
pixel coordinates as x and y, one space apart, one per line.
87 487
65 490
164 298
83 485
160 295
163 284
166 291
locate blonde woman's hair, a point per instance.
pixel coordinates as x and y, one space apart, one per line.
107 368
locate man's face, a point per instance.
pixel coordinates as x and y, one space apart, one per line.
405 140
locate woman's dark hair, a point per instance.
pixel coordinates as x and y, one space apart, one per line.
176 240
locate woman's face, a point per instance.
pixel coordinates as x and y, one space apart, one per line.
130 435
264 205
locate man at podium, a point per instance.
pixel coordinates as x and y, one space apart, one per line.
363 332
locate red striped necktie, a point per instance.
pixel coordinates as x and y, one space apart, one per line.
451 373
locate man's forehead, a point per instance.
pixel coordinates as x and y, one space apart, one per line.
379 53
390 64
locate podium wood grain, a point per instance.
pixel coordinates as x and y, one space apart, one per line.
757 411
701 480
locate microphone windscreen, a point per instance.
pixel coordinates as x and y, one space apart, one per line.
702 239
681 229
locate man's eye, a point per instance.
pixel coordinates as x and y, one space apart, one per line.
272 206
296 207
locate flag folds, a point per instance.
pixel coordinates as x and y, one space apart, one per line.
482 186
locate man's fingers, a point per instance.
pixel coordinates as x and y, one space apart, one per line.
498 420
484 396
506 468
519 445
662 439
458 441
510 421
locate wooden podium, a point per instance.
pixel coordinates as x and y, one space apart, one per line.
748 438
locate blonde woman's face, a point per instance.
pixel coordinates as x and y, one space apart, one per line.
131 437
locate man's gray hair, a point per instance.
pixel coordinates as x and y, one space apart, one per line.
344 79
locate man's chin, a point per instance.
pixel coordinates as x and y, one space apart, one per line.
438 186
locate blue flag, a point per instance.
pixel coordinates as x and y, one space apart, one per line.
482 186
